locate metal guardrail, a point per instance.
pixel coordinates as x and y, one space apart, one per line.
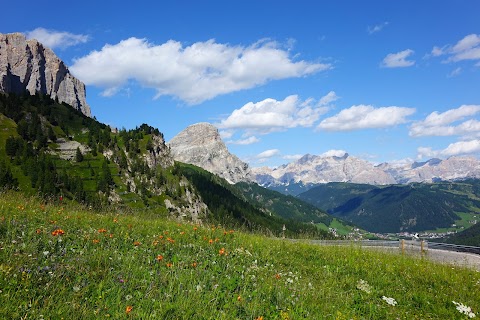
453 247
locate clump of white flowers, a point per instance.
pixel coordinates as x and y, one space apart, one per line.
464 309
390 301
364 286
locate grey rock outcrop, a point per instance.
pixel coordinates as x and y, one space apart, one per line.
311 169
200 144
28 65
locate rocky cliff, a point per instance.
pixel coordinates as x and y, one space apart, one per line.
26 65
200 144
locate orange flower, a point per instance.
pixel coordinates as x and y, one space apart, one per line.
115 220
239 298
128 309
136 243
159 257
194 264
170 240
182 233
58 232
195 228
210 241
95 241
111 235
155 243
38 231
102 230
169 265
222 252
161 237
277 276
259 318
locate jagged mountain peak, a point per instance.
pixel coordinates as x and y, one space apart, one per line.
200 144
27 65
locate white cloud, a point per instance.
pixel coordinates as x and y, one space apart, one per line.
376 28
436 51
192 73
398 60
226 134
334 153
328 99
292 157
246 141
455 72
56 39
365 117
438 124
467 48
453 149
267 154
271 115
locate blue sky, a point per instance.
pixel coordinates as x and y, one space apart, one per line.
381 80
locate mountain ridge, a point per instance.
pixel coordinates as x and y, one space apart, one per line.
28 65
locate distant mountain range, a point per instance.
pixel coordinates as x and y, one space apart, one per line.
310 170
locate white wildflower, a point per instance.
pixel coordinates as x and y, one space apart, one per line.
128 297
464 309
199 287
390 301
364 286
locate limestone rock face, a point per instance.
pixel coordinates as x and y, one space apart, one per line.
28 65
200 144
311 169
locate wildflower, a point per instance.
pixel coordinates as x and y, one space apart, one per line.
210 241
58 232
128 309
170 240
464 309
102 230
95 241
259 318
195 228
38 231
182 233
194 264
136 243
239 298
169 265
277 276
115 220
390 301
159 257
155 243
222 252
364 286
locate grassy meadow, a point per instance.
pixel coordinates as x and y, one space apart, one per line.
63 261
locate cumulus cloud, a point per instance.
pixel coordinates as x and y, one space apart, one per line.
365 117
376 28
468 48
56 39
246 141
440 124
271 115
398 60
334 153
453 149
192 73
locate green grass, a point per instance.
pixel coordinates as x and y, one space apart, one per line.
106 262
